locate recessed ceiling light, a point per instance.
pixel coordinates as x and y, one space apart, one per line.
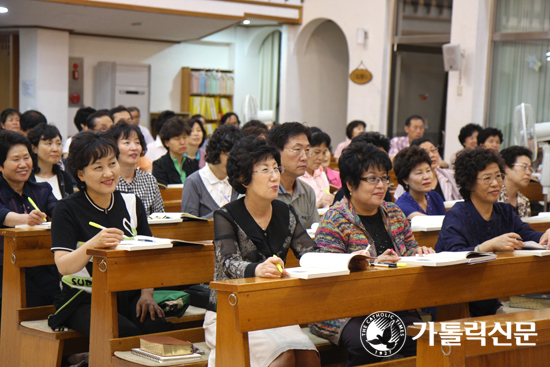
246 22
3 9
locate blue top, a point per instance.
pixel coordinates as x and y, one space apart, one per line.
464 228
408 205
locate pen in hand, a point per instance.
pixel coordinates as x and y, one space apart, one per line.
35 207
99 226
279 265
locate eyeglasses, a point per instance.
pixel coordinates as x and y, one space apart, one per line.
434 150
299 152
526 167
374 180
487 180
268 172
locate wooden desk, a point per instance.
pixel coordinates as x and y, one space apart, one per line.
171 198
533 191
125 270
263 303
189 230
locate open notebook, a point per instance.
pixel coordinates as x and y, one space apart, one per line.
152 243
320 265
449 258
534 249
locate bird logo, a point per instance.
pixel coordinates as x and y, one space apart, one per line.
383 334
385 338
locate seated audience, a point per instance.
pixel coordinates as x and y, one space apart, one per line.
194 141
443 181
174 167
314 175
255 128
333 176
99 121
230 118
156 150
16 189
30 119
136 116
92 162
490 138
364 222
47 152
518 175
414 127
412 167
208 189
131 146
292 141
468 137
79 121
120 113
248 233
203 122
480 223
9 120
353 129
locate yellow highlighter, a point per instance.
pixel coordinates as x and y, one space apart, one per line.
325 190
35 207
279 265
95 225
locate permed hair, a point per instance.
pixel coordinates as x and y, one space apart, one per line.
222 141
374 138
279 135
467 131
407 160
86 148
469 162
242 159
357 158
123 129
175 126
39 133
510 154
8 139
352 125
487 133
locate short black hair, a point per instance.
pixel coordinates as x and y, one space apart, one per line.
7 113
242 159
320 138
469 162
222 141
191 122
198 115
117 109
406 160
279 135
43 132
374 138
90 121
418 142
487 133
256 123
162 118
467 131
81 116
357 158
132 109
8 139
123 129
31 118
228 115
175 126
414 117
86 148
352 125
510 154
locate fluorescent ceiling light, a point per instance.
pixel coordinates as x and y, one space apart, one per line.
246 22
3 9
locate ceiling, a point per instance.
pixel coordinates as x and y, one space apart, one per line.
109 22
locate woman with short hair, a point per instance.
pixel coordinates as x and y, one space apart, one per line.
10 120
315 175
353 129
518 175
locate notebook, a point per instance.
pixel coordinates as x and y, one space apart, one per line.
319 265
449 258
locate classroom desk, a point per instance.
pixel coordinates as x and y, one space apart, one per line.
116 271
264 303
189 230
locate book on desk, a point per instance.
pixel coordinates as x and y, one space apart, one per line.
139 242
449 258
319 265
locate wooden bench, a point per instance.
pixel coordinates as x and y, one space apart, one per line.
471 353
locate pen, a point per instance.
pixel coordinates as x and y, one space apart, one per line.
226 198
279 265
390 265
35 207
367 249
325 190
99 226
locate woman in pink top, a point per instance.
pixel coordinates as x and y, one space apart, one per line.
353 129
315 176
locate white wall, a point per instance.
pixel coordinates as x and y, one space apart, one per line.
44 65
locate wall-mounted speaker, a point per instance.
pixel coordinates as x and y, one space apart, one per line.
452 57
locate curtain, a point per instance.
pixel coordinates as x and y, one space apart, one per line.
269 72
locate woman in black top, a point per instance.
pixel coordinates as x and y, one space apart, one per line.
248 233
92 161
47 151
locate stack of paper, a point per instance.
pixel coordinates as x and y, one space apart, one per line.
427 222
449 258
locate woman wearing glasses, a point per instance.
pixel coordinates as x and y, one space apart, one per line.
518 175
361 221
252 238
443 179
412 167
480 223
